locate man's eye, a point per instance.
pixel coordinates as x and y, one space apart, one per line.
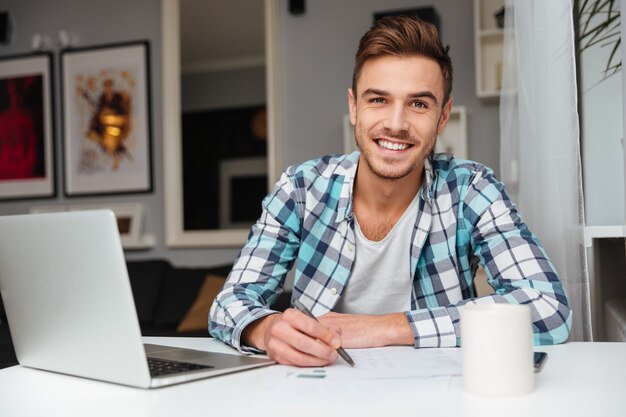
419 105
378 100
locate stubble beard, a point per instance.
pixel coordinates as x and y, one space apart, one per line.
382 170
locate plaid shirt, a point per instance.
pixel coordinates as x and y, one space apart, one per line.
464 218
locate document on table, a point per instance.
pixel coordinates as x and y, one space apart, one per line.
377 369
397 362
380 394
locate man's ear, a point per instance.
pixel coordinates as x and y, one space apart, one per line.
352 106
445 116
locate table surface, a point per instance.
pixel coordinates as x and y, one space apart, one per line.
579 379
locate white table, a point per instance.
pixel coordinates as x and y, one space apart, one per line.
579 379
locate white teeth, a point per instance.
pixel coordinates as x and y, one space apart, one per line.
392 146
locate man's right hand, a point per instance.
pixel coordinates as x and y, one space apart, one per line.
293 338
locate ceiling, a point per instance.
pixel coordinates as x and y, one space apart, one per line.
221 30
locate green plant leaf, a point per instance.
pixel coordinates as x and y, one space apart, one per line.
599 23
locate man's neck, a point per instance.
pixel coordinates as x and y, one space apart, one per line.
385 195
380 202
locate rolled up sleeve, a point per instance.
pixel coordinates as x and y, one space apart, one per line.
259 271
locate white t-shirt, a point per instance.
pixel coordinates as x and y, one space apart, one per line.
381 280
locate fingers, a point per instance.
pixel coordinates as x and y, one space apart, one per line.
296 339
305 343
312 327
285 354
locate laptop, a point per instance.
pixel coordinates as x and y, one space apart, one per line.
70 307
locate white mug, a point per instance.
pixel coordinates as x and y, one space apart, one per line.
497 348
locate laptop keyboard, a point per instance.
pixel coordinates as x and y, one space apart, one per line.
160 367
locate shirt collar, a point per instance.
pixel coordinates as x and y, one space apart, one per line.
347 190
345 199
429 178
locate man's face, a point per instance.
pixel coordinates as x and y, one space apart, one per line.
398 113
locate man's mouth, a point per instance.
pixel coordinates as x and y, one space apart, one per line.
392 146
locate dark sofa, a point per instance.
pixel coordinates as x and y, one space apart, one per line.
163 296
7 354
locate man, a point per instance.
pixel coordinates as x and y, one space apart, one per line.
110 123
386 241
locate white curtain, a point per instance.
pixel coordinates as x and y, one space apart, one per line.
539 149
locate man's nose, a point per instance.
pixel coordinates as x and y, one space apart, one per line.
396 120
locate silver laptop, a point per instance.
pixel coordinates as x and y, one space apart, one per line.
70 307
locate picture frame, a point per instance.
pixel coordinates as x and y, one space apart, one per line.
454 139
107 140
242 180
177 235
130 220
26 127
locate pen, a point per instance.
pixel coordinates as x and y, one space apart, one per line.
340 350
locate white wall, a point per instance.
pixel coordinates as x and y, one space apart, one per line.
99 22
601 134
318 52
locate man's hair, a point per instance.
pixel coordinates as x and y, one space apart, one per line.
401 36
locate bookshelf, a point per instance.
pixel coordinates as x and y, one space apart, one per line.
488 41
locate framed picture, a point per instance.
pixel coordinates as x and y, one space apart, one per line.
179 233
129 219
454 139
26 127
243 185
106 119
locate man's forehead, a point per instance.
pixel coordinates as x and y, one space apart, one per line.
391 73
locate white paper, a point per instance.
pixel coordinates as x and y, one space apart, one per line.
396 362
398 372
377 393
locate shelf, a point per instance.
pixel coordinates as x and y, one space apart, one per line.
143 243
599 232
484 18
491 33
488 48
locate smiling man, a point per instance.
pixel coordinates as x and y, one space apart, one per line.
386 241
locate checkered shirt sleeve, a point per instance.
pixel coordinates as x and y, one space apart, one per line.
257 277
465 218
516 264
